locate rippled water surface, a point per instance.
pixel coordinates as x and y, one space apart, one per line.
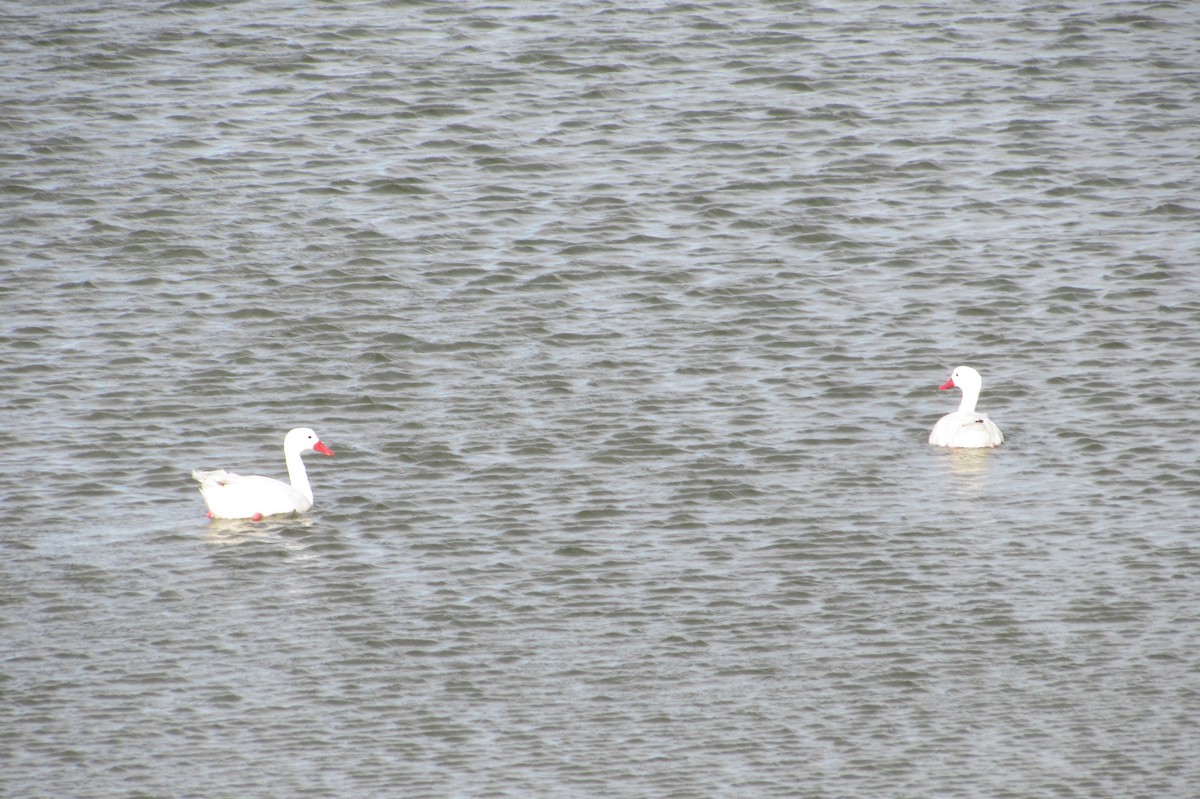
625 322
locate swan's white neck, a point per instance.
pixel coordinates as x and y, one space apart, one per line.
297 474
969 398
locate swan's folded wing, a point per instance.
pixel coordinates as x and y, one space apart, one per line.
961 429
214 477
993 431
979 432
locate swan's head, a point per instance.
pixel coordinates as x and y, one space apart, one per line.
963 377
303 439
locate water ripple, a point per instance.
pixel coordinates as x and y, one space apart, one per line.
626 325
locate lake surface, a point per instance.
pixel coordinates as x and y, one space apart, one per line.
625 322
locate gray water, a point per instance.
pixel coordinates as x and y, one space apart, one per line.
625 323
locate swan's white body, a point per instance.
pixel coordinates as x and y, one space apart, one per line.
234 496
966 427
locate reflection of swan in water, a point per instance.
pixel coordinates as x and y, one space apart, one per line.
283 530
967 462
966 471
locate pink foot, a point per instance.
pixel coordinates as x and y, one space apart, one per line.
209 514
256 517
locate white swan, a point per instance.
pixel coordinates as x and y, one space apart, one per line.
966 427
232 496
